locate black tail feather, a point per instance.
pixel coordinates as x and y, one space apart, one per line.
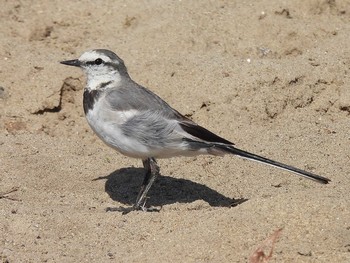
251 156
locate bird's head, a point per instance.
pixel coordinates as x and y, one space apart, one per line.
100 66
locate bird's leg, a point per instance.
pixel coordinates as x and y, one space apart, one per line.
152 171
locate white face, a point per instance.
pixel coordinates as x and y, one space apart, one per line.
99 68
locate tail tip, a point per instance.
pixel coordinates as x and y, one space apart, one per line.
324 180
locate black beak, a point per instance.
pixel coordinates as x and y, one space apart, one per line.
73 62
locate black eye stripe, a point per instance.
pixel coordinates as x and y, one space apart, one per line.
109 64
97 61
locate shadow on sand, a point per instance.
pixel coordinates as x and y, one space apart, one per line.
124 184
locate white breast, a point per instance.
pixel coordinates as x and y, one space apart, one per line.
106 123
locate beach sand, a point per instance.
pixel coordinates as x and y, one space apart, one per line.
271 76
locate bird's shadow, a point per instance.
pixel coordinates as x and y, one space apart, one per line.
124 184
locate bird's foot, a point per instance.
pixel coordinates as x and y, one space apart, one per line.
149 209
126 210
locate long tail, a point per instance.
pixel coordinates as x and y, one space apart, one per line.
251 156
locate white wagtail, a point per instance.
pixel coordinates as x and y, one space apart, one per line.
139 124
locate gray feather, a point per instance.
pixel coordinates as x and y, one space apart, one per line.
130 95
151 129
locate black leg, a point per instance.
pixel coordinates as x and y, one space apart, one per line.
152 171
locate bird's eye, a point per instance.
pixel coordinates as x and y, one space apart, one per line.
98 61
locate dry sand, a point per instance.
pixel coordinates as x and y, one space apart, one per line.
271 76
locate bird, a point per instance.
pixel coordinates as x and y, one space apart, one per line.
139 124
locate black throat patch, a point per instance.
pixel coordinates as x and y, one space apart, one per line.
91 96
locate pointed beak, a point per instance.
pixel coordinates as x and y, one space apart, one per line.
73 62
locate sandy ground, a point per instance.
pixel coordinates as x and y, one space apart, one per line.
271 76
